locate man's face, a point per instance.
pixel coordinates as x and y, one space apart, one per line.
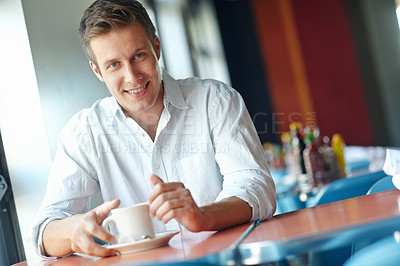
128 64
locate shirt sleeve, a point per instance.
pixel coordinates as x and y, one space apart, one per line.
71 182
239 154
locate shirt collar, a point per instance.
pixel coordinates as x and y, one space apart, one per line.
172 94
117 109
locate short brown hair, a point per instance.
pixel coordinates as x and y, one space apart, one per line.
104 16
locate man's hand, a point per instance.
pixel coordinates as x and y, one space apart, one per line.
173 200
75 234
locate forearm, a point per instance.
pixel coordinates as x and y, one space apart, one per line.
225 213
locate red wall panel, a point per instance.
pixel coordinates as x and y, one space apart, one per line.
311 65
332 70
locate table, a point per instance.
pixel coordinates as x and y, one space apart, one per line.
318 228
323 227
182 247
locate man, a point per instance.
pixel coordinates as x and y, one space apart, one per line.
188 147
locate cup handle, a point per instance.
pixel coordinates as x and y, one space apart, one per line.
106 224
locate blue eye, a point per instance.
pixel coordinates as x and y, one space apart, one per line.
112 65
138 55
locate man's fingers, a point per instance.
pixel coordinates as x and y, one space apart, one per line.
104 235
176 214
104 209
171 206
162 188
105 252
154 180
93 249
168 200
83 242
166 197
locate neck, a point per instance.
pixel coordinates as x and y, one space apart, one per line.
148 119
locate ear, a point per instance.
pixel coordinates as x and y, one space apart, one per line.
158 47
96 71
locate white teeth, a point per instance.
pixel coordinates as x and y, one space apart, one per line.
138 90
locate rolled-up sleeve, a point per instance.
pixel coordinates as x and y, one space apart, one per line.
70 185
241 158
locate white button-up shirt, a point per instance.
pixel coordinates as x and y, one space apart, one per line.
205 139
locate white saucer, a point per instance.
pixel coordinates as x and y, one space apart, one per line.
161 239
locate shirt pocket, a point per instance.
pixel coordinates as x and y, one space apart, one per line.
200 174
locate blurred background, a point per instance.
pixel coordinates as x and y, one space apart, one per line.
332 64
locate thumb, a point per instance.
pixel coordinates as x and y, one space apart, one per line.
154 180
104 209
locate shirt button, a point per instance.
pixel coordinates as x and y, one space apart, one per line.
157 166
142 135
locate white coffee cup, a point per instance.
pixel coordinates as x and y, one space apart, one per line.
132 223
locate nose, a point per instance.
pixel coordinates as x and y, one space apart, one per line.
132 74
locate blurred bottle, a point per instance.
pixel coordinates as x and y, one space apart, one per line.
298 145
279 156
313 159
285 140
338 146
291 159
286 149
329 155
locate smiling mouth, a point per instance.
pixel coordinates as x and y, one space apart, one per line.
138 90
